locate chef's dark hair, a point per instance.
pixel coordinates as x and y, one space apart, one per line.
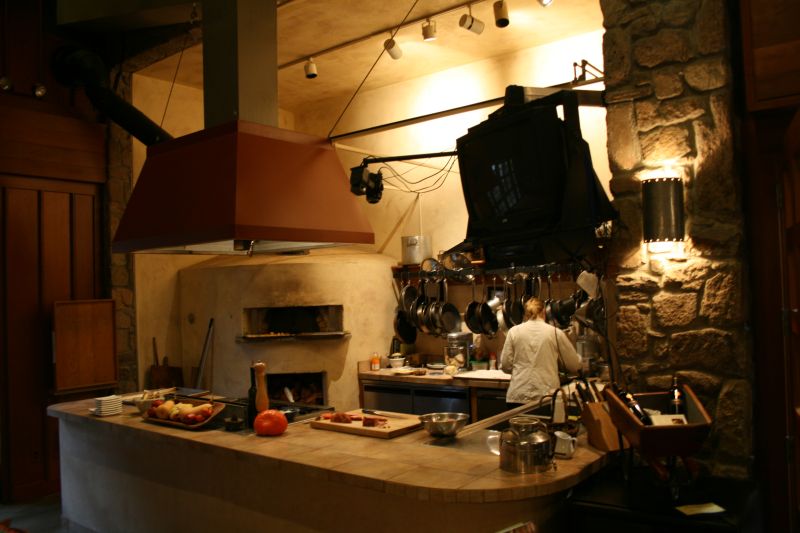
533 308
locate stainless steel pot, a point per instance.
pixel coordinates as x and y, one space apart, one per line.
415 248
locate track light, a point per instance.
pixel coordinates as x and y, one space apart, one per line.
310 68
429 30
468 22
393 48
545 3
501 14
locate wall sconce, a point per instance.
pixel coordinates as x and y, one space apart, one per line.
662 210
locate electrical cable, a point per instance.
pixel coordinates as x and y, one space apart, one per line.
350 101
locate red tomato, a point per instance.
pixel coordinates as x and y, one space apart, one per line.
270 422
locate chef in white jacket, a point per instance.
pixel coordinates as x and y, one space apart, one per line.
531 353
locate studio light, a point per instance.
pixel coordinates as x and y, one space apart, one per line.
501 14
545 3
662 210
393 48
429 30
310 68
468 22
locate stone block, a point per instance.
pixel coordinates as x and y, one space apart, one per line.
686 276
633 297
679 12
623 144
628 93
644 20
651 114
630 217
122 296
722 299
703 349
616 56
675 309
715 192
123 340
733 419
667 46
667 82
658 382
637 281
701 383
123 319
666 143
632 327
120 276
713 239
620 185
613 10
709 27
707 74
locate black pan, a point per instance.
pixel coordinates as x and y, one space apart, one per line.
404 329
472 315
417 311
447 316
408 296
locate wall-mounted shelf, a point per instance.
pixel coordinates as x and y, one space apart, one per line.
310 336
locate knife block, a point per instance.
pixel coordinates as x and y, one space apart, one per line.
600 429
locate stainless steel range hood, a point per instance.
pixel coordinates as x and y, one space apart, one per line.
241 184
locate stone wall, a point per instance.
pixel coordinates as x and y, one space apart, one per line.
669 95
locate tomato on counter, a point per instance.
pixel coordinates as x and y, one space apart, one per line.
270 422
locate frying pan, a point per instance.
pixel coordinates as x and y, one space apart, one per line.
417 311
472 314
447 315
432 313
408 296
404 329
489 323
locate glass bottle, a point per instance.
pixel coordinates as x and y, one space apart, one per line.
251 399
632 404
675 397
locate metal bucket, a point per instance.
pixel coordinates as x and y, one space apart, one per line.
415 248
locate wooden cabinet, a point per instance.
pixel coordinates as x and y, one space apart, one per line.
771 52
84 354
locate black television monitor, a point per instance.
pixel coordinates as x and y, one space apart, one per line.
513 170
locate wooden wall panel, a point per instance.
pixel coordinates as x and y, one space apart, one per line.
25 343
84 247
56 264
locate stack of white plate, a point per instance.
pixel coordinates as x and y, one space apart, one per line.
108 405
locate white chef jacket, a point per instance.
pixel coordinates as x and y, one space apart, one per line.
530 355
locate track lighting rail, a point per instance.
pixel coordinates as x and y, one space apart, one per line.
377 33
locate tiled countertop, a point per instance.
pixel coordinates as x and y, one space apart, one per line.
478 378
404 465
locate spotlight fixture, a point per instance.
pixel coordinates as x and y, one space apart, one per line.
468 22
545 3
366 183
429 30
39 90
393 48
501 14
310 68
662 207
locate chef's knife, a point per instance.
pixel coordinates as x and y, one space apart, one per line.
596 391
378 413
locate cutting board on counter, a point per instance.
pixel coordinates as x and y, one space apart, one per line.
398 424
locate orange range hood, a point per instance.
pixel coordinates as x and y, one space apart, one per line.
218 190
241 184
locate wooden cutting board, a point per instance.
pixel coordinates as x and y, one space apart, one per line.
394 426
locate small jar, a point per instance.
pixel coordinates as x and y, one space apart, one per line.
375 362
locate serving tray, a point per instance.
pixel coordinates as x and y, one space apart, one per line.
216 408
396 424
